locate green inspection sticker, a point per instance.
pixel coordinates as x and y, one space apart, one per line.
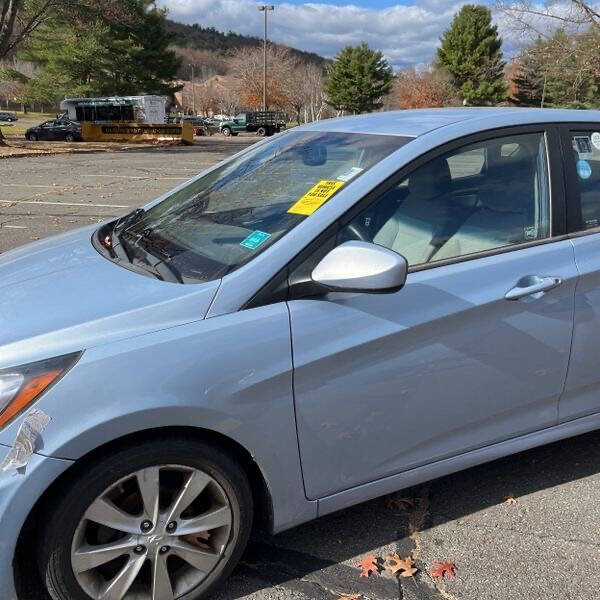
255 239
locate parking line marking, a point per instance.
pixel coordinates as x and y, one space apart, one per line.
13 227
33 185
65 203
131 176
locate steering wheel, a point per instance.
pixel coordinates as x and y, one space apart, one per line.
356 231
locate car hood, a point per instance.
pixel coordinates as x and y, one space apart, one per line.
60 295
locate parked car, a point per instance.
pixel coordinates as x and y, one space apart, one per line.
213 121
58 129
263 123
350 308
7 116
198 123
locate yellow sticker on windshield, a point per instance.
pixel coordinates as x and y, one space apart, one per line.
315 197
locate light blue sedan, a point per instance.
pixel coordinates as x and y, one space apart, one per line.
349 308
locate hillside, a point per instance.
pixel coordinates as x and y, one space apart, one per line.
209 38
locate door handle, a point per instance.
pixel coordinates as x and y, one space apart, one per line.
531 285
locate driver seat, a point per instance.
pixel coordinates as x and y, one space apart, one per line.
415 229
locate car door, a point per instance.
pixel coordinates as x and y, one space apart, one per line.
239 123
581 149
474 349
44 131
58 130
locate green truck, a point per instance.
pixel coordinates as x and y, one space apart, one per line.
262 122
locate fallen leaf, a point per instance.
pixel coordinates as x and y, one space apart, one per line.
348 596
396 501
368 566
404 567
443 568
510 500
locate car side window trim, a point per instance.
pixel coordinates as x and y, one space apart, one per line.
296 273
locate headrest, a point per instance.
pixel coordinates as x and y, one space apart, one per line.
431 180
509 188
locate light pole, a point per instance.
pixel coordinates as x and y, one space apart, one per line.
265 8
193 91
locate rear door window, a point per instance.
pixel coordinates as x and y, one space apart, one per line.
583 158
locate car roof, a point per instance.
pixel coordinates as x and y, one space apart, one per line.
417 122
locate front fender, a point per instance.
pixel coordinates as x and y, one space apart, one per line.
230 374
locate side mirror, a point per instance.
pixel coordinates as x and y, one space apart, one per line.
361 267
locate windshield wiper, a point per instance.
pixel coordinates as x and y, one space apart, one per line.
128 219
159 265
116 246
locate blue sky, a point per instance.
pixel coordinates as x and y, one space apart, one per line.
364 3
406 31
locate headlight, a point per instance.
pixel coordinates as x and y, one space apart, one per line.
20 386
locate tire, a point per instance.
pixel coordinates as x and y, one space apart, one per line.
262 131
32 137
69 137
226 131
115 472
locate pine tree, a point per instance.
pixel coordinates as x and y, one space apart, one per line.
471 53
358 79
146 62
100 57
530 78
559 69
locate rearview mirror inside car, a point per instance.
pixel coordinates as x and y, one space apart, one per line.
314 155
361 267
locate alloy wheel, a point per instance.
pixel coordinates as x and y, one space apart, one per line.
153 535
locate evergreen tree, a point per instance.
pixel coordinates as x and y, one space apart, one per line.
19 19
559 69
471 53
146 61
94 56
530 79
358 79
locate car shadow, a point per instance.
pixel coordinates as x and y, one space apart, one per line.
319 558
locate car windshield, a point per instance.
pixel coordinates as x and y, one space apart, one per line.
221 220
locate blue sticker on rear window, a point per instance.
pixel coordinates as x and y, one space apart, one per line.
583 169
255 239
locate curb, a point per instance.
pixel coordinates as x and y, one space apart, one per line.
30 154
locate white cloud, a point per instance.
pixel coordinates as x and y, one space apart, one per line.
407 35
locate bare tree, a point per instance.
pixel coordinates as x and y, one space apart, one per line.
304 91
542 18
228 101
206 63
296 91
423 88
247 67
565 13
314 92
578 20
9 91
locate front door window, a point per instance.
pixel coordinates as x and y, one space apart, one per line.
482 197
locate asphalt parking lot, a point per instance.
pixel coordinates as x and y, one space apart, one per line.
542 544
